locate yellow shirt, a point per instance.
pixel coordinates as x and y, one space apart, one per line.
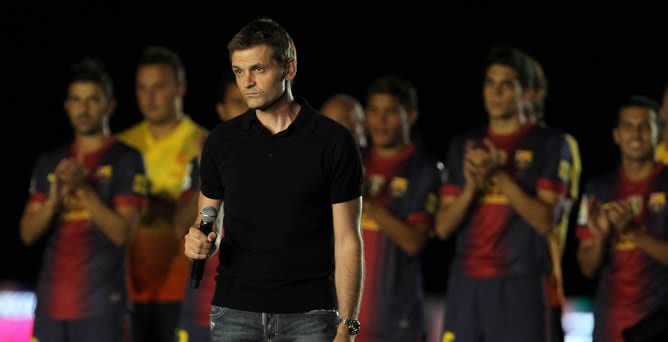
158 270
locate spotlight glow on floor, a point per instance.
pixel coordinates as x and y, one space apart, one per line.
16 315
17 310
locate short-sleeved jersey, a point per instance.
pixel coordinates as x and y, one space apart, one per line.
631 282
557 240
407 185
493 240
570 165
83 271
158 268
278 190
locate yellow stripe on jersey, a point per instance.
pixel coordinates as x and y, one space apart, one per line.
624 245
494 198
576 170
76 215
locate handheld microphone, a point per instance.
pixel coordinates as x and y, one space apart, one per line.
207 217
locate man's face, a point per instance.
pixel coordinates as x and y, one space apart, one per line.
259 76
387 120
159 93
501 91
636 133
87 107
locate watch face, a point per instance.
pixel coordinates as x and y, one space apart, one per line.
353 326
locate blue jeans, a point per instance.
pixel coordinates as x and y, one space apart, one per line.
230 325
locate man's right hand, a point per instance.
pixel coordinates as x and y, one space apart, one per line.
599 224
197 245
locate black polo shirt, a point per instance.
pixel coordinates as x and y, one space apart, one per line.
277 253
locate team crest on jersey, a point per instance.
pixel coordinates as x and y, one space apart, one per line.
523 158
103 173
398 186
657 201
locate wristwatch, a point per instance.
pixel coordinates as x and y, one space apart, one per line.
353 325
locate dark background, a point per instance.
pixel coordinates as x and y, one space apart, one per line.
592 61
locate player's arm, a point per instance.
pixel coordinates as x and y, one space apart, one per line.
36 218
458 192
537 211
551 186
71 174
592 232
452 211
348 254
409 237
656 248
115 222
44 203
590 254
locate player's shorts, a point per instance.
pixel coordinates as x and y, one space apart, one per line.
111 327
190 329
496 309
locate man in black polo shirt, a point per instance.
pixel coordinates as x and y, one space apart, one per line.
291 182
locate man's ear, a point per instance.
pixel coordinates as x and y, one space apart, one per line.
290 70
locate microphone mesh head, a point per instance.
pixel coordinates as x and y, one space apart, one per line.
208 214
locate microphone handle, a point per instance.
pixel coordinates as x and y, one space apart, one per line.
198 265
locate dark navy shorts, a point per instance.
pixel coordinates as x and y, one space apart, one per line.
111 327
498 309
190 331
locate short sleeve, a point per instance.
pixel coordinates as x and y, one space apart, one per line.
346 170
